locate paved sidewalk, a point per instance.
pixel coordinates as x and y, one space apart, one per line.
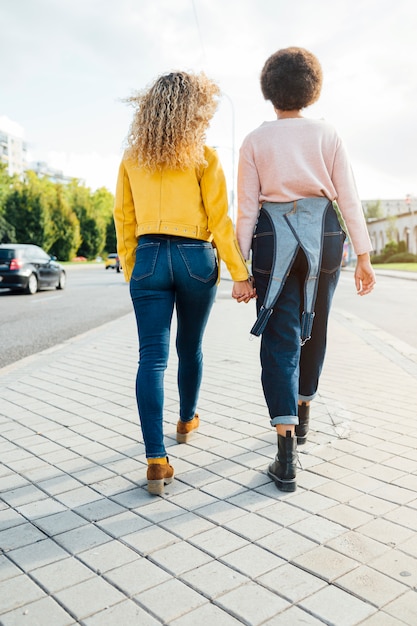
84 543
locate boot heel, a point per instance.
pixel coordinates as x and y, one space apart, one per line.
156 487
283 469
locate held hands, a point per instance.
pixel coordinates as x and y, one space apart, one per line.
244 290
364 275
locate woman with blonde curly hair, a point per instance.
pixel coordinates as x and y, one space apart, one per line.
170 210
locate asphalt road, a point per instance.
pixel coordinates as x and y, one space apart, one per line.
29 324
94 296
391 306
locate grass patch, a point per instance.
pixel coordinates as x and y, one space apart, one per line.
404 267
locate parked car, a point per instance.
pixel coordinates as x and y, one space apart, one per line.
28 268
113 262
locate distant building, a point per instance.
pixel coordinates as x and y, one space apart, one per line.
13 148
42 169
399 223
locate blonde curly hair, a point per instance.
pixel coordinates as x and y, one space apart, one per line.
169 124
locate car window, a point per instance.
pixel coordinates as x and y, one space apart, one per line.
6 254
37 254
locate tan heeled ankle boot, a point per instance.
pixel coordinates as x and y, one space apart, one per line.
185 429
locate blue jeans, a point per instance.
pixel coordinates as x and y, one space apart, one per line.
291 372
170 271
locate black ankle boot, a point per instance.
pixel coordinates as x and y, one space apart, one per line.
283 469
301 430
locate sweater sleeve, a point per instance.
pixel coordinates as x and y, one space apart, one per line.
349 202
125 223
248 198
214 196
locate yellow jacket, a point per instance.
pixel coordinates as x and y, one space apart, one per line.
190 203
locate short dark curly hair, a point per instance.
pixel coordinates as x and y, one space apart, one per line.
291 79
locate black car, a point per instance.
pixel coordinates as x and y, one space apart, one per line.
28 268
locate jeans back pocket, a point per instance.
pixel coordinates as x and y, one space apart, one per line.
146 256
200 260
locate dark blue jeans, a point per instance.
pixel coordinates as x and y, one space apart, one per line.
170 272
291 372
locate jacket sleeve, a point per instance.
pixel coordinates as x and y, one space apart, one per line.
349 202
125 223
214 196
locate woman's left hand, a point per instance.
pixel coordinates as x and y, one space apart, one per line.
244 290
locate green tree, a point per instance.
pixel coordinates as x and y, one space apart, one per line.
7 232
25 212
373 210
66 236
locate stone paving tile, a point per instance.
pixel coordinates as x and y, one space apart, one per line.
371 586
325 563
291 582
347 516
37 554
52 579
397 565
108 556
251 526
403 516
391 534
283 513
180 558
220 512
17 592
44 612
8 569
357 546
19 536
213 579
10 518
404 608
137 576
60 522
335 606
286 544
150 539
252 603
88 597
252 560
293 617
170 600
217 541
318 529
159 510
206 614
122 524
126 612
82 538
187 525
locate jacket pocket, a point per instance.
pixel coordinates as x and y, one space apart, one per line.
146 256
200 260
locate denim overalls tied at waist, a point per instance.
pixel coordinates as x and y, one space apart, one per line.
297 224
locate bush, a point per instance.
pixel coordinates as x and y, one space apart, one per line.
403 257
378 258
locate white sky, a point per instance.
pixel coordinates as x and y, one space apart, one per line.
66 65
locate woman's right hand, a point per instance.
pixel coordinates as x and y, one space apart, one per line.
364 275
244 290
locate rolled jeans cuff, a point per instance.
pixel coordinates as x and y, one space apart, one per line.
284 419
307 398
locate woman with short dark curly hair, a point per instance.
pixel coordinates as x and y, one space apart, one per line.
171 210
297 196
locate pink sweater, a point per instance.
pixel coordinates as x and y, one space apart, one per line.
296 158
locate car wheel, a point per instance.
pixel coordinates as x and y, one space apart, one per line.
107 267
62 281
32 286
